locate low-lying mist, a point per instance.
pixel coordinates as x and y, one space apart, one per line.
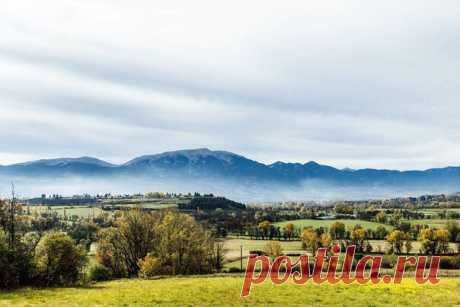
313 190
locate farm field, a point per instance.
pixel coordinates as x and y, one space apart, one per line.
80 211
435 211
94 210
232 247
327 223
218 290
151 205
436 223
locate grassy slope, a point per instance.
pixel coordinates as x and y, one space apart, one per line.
328 223
215 291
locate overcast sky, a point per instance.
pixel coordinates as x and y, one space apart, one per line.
346 83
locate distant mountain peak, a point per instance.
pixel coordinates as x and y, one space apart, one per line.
191 154
67 161
212 165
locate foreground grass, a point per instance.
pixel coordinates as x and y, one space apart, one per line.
225 291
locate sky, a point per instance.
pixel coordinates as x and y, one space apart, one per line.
346 83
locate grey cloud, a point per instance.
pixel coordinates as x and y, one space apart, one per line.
351 84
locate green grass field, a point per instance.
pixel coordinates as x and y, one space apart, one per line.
85 210
232 246
436 210
80 211
225 291
436 223
327 223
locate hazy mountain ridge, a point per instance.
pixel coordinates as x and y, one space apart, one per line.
203 163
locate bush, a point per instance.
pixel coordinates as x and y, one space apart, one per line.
273 249
108 255
257 252
149 267
58 260
234 270
16 265
389 261
99 272
450 262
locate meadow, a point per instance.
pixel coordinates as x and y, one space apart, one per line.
220 290
93 210
327 223
232 248
80 211
434 223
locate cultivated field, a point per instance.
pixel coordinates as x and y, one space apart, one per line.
225 291
327 223
80 211
232 246
94 210
435 223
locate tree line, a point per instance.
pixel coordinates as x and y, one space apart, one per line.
47 250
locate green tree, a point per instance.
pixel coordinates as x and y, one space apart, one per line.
337 231
381 217
454 230
288 230
58 259
264 228
380 232
358 237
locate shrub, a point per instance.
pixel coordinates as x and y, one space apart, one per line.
99 272
16 265
58 259
109 254
273 249
450 262
389 261
149 267
257 252
234 270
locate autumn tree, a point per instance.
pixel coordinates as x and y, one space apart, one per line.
397 240
264 228
310 239
337 231
273 249
184 246
288 231
442 237
434 241
358 237
381 217
172 241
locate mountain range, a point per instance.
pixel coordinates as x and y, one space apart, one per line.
222 173
205 164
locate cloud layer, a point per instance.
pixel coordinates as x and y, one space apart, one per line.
347 83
